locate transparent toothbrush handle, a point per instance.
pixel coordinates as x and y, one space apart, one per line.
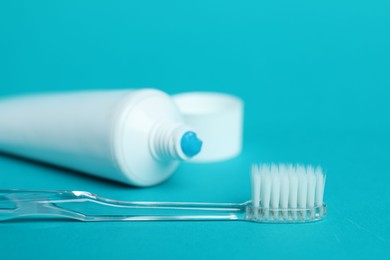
85 206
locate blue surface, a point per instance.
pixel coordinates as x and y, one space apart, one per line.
315 79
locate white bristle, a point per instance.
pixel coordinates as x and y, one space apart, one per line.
293 195
284 188
311 186
275 188
274 168
255 186
320 184
265 190
302 186
287 186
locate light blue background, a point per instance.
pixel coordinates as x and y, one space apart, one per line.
315 78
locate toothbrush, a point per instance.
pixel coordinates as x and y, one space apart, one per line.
280 194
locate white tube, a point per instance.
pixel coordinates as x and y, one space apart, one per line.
132 136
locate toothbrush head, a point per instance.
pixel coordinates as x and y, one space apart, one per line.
286 193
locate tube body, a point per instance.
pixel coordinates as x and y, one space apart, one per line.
102 133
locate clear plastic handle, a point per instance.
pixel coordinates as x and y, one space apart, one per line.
85 206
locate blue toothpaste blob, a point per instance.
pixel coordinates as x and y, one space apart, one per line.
190 144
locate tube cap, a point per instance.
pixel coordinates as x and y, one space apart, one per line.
218 120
